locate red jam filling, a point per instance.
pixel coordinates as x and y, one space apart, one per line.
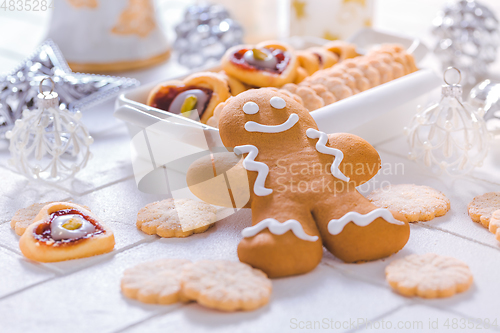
166 95
282 57
43 232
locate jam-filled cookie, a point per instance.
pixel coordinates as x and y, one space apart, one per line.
269 64
235 86
316 58
200 91
65 231
342 49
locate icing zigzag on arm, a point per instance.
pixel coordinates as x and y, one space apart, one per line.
335 227
250 164
322 148
278 228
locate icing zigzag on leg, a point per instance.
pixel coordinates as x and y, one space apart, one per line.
335 227
278 228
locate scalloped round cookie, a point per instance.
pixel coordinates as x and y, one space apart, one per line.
176 218
226 285
495 224
155 282
482 207
415 202
24 217
428 275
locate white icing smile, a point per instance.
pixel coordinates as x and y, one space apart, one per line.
252 126
59 231
335 227
277 228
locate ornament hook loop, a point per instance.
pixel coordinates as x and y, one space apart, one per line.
40 87
459 75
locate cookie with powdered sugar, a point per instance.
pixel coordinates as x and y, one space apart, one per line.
495 224
417 203
429 276
482 207
226 285
176 218
155 282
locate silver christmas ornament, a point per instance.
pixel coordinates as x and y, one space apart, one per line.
468 38
77 91
486 95
449 136
206 32
49 143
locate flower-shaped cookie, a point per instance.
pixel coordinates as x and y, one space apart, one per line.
482 207
416 203
428 276
226 285
495 224
176 218
155 282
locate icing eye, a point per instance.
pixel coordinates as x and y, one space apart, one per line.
250 108
278 102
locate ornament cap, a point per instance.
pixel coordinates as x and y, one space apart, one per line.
454 90
47 100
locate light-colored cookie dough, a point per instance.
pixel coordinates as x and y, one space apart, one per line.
226 285
64 231
417 203
482 207
176 218
495 224
428 276
155 282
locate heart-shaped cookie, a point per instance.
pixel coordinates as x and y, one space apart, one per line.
200 91
268 64
65 231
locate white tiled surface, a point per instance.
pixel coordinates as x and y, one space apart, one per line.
83 295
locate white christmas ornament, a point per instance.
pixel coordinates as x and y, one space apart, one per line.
49 143
449 136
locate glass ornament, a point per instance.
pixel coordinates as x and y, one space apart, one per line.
449 136
49 143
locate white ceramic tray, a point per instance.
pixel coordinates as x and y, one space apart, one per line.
160 137
389 104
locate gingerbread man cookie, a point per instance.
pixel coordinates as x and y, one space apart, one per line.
64 231
303 188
